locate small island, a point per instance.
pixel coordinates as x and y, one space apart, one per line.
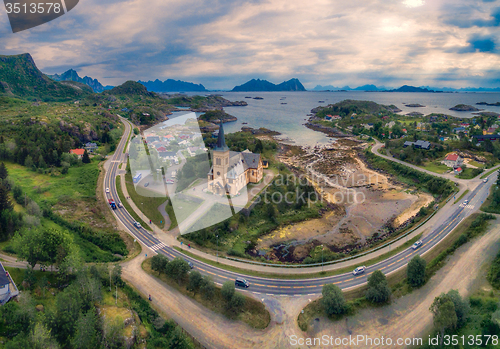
217 116
415 105
497 104
464 107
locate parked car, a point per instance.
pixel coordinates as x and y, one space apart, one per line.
241 283
107 190
417 244
137 225
359 270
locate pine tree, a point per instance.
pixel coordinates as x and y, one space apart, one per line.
85 158
3 171
5 203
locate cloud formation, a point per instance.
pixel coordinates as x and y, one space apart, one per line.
222 43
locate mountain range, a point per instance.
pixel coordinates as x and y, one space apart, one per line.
170 85
20 77
72 75
255 85
405 88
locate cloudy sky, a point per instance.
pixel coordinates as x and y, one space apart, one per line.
223 43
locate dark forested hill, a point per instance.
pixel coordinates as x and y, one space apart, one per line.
19 76
172 86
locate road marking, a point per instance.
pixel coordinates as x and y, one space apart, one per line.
158 246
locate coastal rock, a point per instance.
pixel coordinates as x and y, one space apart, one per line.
260 131
414 105
464 107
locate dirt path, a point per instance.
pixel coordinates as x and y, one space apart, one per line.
409 316
210 329
165 215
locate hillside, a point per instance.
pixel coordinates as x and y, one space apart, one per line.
130 88
257 85
170 85
19 76
72 75
348 107
406 88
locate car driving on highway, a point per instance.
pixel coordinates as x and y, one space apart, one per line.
466 202
241 283
107 190
359 270
137 225
485 180
120 205
417 244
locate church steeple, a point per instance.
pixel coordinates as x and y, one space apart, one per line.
221 141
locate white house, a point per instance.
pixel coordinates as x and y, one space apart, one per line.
453 160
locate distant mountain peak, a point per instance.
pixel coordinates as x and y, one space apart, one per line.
72 75
258 85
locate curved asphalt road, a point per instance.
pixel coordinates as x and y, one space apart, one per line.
284 287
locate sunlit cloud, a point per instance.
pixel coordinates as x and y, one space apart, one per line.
414 3
222 43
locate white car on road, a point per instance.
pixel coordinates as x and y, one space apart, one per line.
359 270
107 190
417 244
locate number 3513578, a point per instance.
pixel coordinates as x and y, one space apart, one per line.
48 7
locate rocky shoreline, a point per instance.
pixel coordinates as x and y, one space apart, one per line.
329 131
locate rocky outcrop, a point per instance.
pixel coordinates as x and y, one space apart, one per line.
464 107
414 105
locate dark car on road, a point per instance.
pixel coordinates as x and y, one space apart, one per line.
241 283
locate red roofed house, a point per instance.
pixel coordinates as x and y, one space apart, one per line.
161 149
458 170
453 160
78 152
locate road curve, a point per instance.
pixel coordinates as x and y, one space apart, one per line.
260 285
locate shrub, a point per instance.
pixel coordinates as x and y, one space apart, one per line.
333 300
416 271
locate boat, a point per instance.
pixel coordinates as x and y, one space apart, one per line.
321 101
283 103
244 123
248 97
258 98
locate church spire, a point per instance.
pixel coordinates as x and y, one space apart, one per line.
221 141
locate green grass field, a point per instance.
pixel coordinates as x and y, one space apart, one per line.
128 207
148 205
469 173
79 183
436 166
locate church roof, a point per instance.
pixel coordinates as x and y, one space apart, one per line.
251 159
221 141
